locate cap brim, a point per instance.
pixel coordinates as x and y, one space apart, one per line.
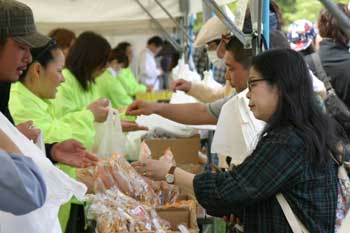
33 40
212 29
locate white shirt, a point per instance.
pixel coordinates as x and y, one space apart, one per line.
317 84
147 71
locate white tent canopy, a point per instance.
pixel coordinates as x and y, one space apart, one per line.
117 20
107 16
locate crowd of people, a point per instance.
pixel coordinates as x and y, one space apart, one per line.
55 88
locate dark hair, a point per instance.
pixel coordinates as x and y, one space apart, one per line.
240 54
277 15
216 41
156 40
42 55
328 25
297 107
309 50
276 19
89 52
3 40
120 56
123 46
63 37
278 40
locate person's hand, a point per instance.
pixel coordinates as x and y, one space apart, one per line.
131 126
221 49
8 145
100 109
73 153
28 130
139 107
154 169
181 85
149 88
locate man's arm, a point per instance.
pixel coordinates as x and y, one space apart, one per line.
22 187
194 114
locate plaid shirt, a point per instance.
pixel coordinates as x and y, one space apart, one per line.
219 73
277 165
201 60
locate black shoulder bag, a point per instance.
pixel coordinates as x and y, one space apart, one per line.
334 105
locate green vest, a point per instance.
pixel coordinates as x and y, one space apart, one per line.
71 97
129 82
24 106
112 88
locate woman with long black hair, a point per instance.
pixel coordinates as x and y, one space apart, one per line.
291 158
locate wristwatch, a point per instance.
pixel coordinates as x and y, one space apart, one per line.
170 177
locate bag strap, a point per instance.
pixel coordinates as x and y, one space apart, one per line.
321 73
294 222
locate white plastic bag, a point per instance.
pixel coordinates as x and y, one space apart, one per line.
60 188
40 143
209 81
182 71
109 138
237 130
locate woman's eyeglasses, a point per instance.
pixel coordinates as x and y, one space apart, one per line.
251 81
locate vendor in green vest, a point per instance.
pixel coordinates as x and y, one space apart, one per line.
126 75
86 60
109 83
31 99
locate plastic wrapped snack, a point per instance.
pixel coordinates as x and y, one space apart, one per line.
113 211
137 186
117 172
145 152
168 156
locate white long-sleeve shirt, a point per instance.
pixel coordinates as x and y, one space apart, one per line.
147 70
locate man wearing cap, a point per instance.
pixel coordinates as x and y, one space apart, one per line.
21 184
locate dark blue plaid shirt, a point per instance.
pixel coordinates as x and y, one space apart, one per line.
277 165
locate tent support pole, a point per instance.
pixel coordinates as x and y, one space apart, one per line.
244 39
173 19
176 45
266 20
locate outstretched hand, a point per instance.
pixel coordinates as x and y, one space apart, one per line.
73 153
139 107
27 129
181 85
128 126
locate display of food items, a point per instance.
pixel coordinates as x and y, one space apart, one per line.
145 152
117 172
114 212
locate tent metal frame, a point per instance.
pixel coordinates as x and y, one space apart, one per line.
180 47
250 41
245 39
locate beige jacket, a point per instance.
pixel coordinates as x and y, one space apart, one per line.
206 94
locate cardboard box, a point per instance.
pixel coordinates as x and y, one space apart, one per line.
184 213
185 150
175 216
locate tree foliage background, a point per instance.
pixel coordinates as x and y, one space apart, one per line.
301 9
292 10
